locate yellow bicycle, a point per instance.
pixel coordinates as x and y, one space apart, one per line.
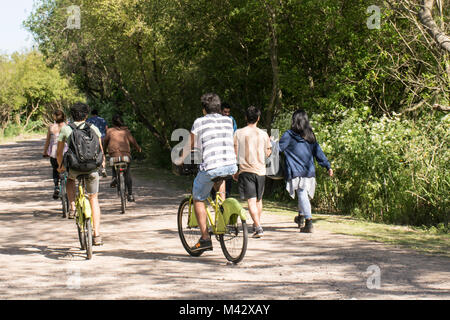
228 225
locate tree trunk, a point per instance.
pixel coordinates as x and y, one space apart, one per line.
426 18
275 99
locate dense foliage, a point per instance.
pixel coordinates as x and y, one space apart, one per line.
370 91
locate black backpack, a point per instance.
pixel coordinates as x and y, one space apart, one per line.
84 153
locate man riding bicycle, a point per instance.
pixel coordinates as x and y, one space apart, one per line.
79 112
213 135
117 142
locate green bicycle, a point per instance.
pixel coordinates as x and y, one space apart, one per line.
83 217
228 225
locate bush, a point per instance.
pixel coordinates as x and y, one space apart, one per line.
387 169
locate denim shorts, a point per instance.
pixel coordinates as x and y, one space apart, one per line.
203 181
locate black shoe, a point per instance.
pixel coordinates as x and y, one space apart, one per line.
71 214
202 245
130 198
113 184
56 194
300 220
258 232
308 228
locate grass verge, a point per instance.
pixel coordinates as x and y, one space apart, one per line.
420 240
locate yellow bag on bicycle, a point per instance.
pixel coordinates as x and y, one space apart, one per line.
232 209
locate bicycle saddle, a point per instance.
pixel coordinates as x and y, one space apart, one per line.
219 179
83 176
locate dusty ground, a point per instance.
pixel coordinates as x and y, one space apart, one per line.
143 258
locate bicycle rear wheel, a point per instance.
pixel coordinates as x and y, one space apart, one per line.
234 241
188 235
88 237
123 199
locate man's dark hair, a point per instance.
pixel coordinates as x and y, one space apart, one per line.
225 105
211 103
117 121
79 111
94 112
252 114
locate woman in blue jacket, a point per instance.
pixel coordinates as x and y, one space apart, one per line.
300 148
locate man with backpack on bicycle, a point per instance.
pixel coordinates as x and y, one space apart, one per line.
213 135
83 157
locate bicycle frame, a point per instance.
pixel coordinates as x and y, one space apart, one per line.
217 224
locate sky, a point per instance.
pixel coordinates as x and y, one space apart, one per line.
13 36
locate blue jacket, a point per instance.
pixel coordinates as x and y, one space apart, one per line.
299 156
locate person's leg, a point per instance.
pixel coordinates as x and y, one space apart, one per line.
254 212
55 173
113 183
200 191
70 189
96 213
92 188
228 186
304 206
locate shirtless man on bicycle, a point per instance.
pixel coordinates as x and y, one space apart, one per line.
213 135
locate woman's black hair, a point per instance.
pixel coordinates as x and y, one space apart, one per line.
117 121
59 116
79 111
211 103
301 126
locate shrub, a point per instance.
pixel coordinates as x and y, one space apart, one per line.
387 169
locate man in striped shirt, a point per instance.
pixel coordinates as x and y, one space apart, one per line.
212 134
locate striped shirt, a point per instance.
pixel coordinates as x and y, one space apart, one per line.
214 138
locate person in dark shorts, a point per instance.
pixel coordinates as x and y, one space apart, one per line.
252 146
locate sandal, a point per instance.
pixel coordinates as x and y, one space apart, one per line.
97 241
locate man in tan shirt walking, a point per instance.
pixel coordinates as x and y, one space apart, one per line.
252 146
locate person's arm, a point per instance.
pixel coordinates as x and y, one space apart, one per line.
59 155
321 158
106 142
103 153
133 141
190 144
47 143
268 147
284 142
236 151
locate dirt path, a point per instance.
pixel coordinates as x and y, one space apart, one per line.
143 258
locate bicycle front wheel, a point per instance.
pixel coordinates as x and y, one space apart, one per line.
88 237
234 241
188 235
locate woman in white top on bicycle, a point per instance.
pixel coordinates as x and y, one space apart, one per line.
51 143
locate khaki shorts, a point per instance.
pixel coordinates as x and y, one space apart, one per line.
92 182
